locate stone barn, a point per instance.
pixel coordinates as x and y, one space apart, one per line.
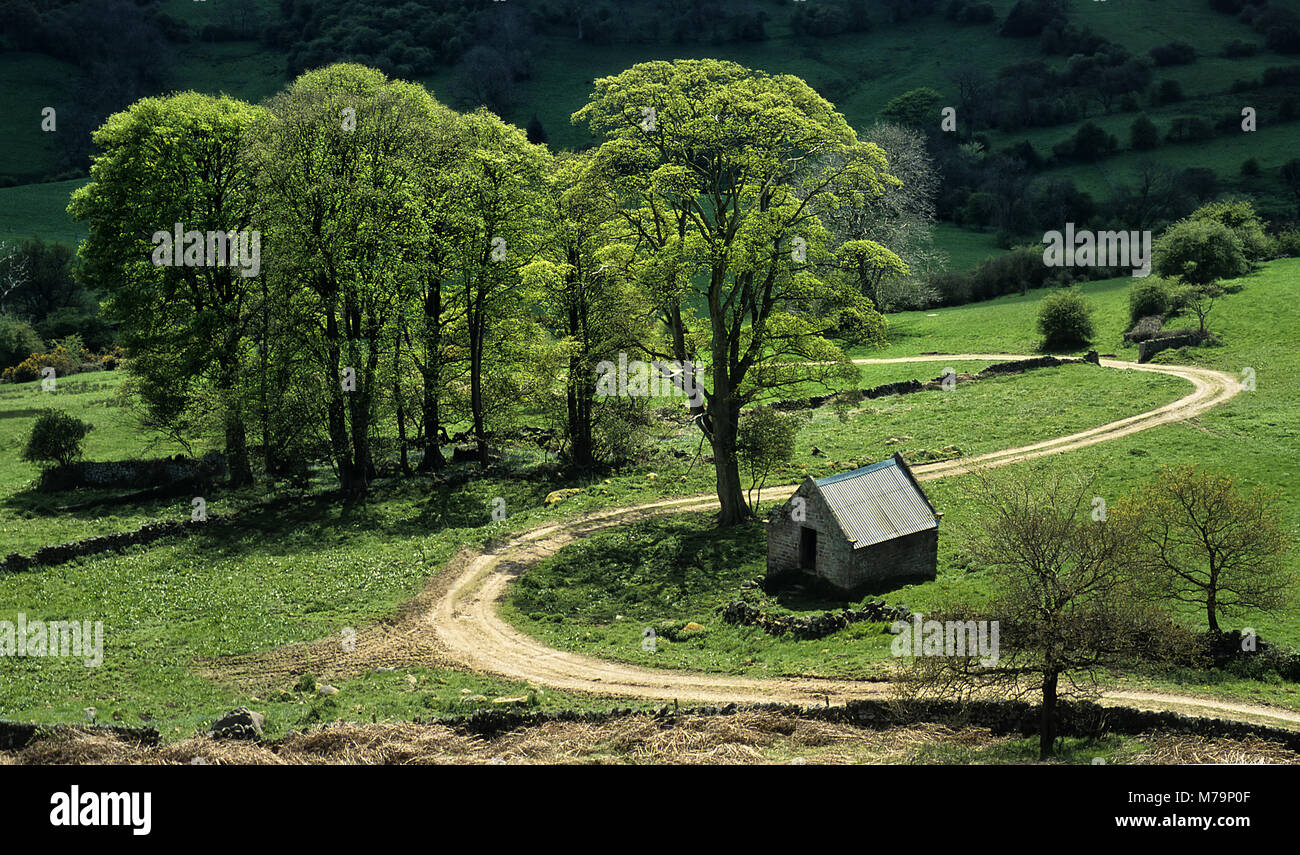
856 532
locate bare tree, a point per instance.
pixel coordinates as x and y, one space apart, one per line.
13 271
901 219
974 95
1065 603
1201 540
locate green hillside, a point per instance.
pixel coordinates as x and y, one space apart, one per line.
859 72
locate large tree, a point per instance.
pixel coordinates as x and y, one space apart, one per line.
1199 254
587 303
166 161
1202 540
720 172
339 162
500 188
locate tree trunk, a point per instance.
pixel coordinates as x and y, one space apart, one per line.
241 471
433 461
336 410
580 392
476 404
1047 722
723 424
401 406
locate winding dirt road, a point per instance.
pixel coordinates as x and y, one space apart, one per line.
464 616
459 608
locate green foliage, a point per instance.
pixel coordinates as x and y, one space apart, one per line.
1065 320
765 440
1240 217
1199 252
56 438
1149 296
1203 538
17 341
916 108
1090 143
698 153
1143 134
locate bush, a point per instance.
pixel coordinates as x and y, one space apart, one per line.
1168 92
1283 39
1174 53
1065 320
56 438
63 363
1148 297
1143 134
1199 252
1090 143
1287 244
1250 168
1240 217
17 341
1190 129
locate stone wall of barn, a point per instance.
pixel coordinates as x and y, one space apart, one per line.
840 567
783 533
903 559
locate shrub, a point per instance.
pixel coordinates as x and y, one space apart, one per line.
1190 129
1065 320
1174 53
1089 143
1240 217
1283 39
1287 244
1143 134
1199 252
111 359
967 12
1250 168
1148 297
17 341
63 363
1168 92
56 438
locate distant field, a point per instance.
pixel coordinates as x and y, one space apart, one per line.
39 210
30 82
965 247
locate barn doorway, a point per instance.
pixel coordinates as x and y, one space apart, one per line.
807 548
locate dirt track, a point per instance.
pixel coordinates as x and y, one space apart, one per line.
459 608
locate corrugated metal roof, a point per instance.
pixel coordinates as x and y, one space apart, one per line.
877 503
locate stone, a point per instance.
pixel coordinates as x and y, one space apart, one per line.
239 723
326 689
556 496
